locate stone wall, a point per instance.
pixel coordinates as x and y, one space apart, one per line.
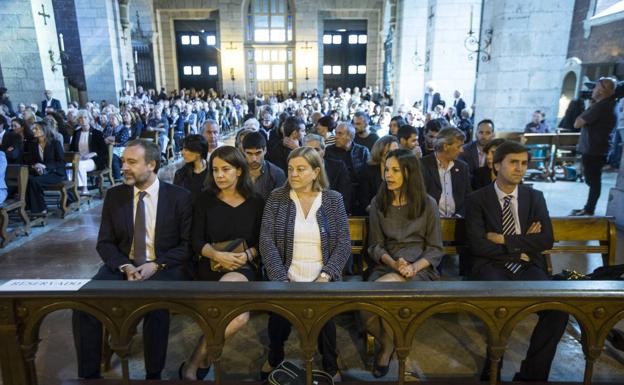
100 41
308 30
26 42
528 54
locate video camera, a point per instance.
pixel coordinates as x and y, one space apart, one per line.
587 94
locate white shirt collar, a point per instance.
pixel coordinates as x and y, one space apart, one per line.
450 165
501 194
151 191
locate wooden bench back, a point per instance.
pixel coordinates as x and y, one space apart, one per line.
150 135
17 176
71 160
575 232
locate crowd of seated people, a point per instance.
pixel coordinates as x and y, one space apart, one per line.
287 188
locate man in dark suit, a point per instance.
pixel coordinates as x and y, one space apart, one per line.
473 154
49 103
458 103
508 228
144 235
10 142
447 179
337 173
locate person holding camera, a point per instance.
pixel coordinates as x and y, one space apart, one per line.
596 123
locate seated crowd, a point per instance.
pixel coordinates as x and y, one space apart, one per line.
276 206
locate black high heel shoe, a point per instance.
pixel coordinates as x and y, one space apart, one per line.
200 373
379 370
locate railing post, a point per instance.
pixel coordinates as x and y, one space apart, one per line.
591 355
496 354
15 368
402 354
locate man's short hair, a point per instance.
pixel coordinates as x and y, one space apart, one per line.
314 138
152 151
509 147
254 140
197 144
349 127
448 135
327 121
211 122
488 121
361 114
291 124
406 131
433 125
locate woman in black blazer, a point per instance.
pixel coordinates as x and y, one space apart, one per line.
47 167
93 150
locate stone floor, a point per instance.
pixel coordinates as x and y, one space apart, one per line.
447 346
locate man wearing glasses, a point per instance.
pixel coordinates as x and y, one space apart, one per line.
596 123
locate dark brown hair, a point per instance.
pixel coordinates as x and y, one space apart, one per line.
413 188
234 157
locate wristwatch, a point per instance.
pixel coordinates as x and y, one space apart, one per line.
326 276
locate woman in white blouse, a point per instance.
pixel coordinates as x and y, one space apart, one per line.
90 144
304 238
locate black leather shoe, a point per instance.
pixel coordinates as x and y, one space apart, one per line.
153 376
379 370
200 373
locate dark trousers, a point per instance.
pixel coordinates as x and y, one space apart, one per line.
88 330
35 200
116 166
592 170
279 330
547 333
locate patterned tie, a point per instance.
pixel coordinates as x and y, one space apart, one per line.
139 231
509 228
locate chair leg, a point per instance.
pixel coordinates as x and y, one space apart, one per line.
75 191
107 353
101 184
4 224
111 180
25 219
63 203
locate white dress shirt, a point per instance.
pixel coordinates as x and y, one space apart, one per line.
446 205
307 259
151 204
482 156
514 205
83 145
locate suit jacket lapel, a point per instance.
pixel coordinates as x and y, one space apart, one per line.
161 216
456 182
128 210
495 209
433 167
523 208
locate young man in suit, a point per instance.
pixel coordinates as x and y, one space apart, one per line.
144 235
473 153
447 179
508 228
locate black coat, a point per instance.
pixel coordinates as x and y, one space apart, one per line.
53 157
56 105
173 226
14 141
338 176
470 156
484 214
96 144
460 178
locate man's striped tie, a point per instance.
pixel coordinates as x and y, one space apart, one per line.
509 228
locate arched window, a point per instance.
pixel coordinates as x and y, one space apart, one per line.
269 21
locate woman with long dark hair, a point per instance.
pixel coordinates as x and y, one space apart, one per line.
374 172
405 239
485 175
228 194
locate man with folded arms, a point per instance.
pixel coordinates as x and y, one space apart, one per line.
508 229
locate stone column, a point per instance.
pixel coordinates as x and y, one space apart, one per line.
99 28
528 54
409 45
30 52
450 66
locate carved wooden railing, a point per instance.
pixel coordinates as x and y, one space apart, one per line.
597 306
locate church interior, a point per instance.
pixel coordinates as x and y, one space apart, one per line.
167 72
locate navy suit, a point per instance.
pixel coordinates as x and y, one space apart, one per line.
460 178
483 215
172 249
459 105
56 105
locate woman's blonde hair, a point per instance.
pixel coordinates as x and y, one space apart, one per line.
315 161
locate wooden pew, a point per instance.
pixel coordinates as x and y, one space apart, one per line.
579 230
15 176
71 160
358 230
106 172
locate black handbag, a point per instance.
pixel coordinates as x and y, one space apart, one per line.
288 373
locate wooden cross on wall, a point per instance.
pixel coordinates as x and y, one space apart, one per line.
431 15
44 15
124 38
